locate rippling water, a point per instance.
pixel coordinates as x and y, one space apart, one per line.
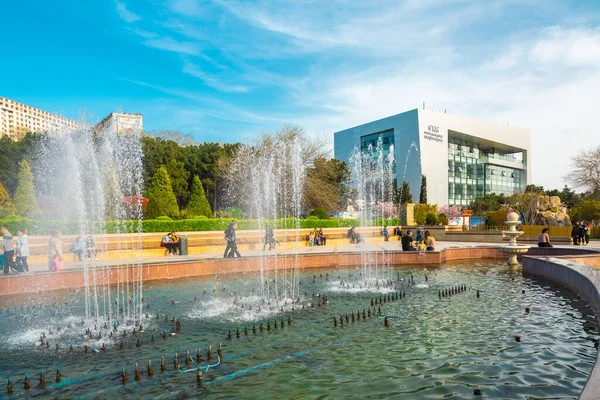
434 348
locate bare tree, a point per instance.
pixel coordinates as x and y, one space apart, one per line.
585 170
182 139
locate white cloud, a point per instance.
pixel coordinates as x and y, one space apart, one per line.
548 83
125 14
211 81
168 43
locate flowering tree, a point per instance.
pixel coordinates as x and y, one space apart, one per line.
130 203
452 212
387 209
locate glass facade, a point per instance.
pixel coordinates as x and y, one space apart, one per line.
369 143
471 174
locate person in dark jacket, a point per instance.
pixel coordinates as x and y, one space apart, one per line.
408 242
231 250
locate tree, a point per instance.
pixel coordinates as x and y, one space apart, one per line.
179 180
326 185
320 213
421 211
405 195
587 210
24 198
585 170
161 199
523 204
452 212
198 204
423 195
489 202
534 189
6 206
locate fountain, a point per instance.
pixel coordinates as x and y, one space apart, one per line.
373 177
266 179
513 249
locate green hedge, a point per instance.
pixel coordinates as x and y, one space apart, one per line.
70 227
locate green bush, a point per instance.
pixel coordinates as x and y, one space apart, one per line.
431 219
72 227
14 223
312 217
198 204
24 200
320 213
443 219
200 217
421 211
161 199
231 212
164 218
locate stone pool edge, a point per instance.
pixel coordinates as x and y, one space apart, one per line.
581 279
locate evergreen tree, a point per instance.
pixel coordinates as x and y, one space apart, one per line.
405 195
198 204
6 206
161 199
24 200
423 195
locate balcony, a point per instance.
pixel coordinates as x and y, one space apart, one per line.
503 161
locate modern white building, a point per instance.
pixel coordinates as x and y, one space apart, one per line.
462 158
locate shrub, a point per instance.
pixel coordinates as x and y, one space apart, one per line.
312 218
443 219
200 217
14 223
164 218
24 199
161 199
231 212
431 219
198 204
496 217
320 213
6 206
421 211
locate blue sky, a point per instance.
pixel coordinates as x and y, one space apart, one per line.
225 70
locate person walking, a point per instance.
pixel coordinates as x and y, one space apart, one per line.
575 234
231 237
586 233
55 251
544 238
268 238
23 250
8 249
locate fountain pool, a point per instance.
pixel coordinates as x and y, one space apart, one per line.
521 337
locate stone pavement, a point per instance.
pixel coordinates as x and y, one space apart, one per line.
392 245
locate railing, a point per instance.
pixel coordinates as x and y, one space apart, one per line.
535 230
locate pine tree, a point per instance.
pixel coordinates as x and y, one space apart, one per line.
198 204
405 195
6 206
161 199
24 200
423 195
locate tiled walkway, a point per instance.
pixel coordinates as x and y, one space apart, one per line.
392 245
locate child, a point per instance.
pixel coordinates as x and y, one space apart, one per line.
311 240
